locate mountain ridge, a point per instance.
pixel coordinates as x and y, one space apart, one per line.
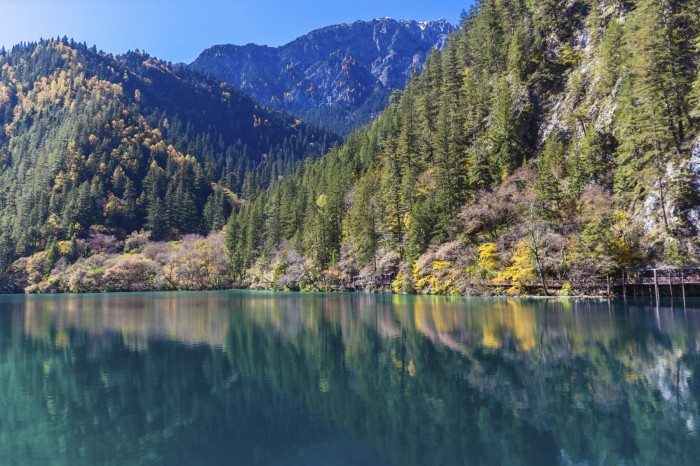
344 71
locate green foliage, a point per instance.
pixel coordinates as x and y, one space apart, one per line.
361 223
550 170
90 139
655 116
611 54
53 253
506 147
566 290
570 58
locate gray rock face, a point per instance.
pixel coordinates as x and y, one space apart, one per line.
695 162
694 213
687 213
338 77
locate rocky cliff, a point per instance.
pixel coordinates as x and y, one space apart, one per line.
338 77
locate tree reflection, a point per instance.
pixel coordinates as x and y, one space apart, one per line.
264 378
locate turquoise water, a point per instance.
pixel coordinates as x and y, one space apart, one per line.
277 379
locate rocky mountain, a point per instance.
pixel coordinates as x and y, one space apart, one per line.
95 141
338 77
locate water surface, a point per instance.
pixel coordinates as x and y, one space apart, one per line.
276 379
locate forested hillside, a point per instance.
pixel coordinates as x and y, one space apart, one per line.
93 143
549 145
549 141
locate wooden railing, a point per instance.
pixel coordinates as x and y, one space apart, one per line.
666 278
656 281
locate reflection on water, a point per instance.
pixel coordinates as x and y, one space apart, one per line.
263 378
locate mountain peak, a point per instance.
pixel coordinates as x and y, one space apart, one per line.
311 77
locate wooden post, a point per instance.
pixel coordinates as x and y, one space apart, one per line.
640 282
670 282
656 285
607 277
683 286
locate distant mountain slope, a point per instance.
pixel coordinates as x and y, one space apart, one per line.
338 77
128 142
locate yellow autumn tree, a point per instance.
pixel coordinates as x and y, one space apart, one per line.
488 259
520 272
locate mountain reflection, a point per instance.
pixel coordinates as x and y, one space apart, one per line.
221 378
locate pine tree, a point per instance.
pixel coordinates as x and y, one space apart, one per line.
421 228
506 146
549 173
273 229
53 253
6 257
234 235
408 157
392 199
361 224
215 211
450 175
662 75
156 217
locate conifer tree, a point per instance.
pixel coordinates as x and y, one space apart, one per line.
550 170
506 147
361 224
215 211
156 217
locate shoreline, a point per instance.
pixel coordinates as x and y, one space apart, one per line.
368 293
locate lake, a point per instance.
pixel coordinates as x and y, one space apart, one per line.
347 379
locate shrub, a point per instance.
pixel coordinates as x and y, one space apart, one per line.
136 241
101 243
130 273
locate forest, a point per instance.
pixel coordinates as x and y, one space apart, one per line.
550 143
95 147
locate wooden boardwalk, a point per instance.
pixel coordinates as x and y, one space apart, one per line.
654 281
663 280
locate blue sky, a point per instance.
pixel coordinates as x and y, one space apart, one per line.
177 30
